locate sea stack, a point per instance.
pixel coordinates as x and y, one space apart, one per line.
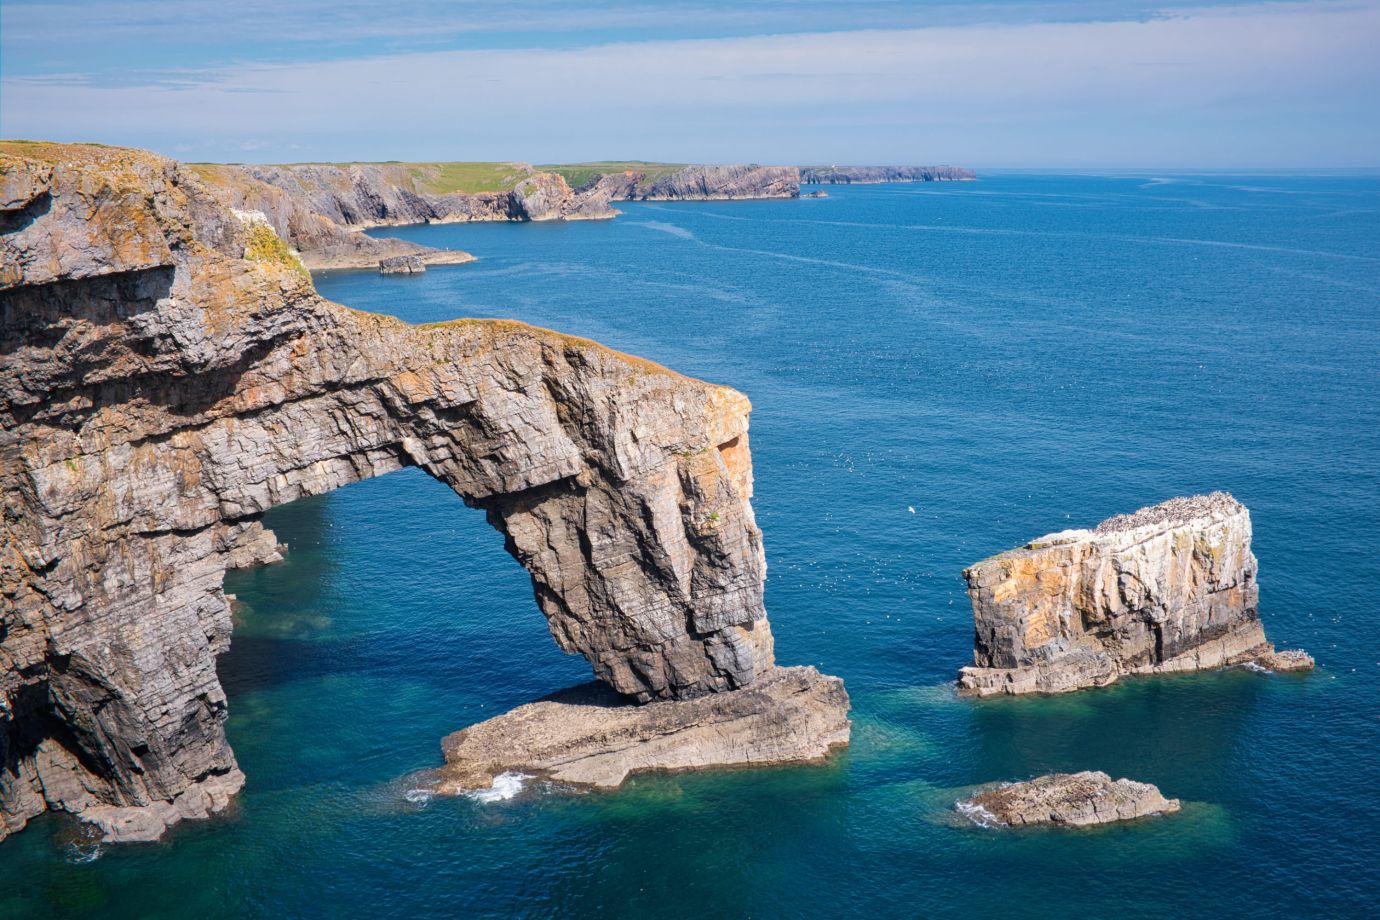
402 265
1066 800
1171 587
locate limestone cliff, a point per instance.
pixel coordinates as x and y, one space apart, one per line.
1169 588
163 383
871 175
320 207
699 183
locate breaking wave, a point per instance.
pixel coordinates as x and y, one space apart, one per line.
977 814
505 786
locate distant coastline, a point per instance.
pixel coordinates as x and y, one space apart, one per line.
319 208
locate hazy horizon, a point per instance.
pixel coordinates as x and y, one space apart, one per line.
1097 84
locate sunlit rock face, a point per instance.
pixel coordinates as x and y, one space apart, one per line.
160 390
1169 588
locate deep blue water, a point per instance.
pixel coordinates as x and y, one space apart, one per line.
1007 357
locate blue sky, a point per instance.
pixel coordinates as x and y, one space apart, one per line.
1019 83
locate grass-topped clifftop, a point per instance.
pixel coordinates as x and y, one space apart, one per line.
578 174
462 177
261 244
467 178
431 178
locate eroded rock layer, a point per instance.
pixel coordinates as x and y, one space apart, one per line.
1068 800
1169 588
589 736
159 391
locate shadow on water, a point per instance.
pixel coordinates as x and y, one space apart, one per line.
1180 731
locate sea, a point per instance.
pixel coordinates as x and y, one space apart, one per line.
938 372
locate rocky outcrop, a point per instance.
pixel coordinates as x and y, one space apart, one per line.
320 207
1169 588
310 219
871 175
1068 800
159 391
700 183
402 265
589 736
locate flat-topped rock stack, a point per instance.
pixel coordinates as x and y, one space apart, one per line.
402 265
1068 800
1171 587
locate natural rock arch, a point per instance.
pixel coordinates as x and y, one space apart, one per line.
158 393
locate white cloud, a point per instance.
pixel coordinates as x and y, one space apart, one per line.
1198 87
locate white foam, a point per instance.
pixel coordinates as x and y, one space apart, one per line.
1252 666
664 228
84 852
977 814
505 786
419 797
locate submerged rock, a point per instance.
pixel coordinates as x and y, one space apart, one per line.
1068 799
589 736
1169 588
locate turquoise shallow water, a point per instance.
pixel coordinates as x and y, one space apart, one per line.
1007 357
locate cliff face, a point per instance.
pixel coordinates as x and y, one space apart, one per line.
846 175
701 183
1169 588
318 208
159 392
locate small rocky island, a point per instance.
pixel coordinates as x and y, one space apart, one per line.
402 265
590 736
1171 587
1067 800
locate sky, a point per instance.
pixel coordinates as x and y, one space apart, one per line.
1001 83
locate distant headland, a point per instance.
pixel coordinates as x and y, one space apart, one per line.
318 207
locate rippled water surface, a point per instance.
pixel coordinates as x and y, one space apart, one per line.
1006 358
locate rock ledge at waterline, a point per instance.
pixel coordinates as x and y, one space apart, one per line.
1066 799
589 736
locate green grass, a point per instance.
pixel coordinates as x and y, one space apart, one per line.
578 174
430 178
261 244
469 178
